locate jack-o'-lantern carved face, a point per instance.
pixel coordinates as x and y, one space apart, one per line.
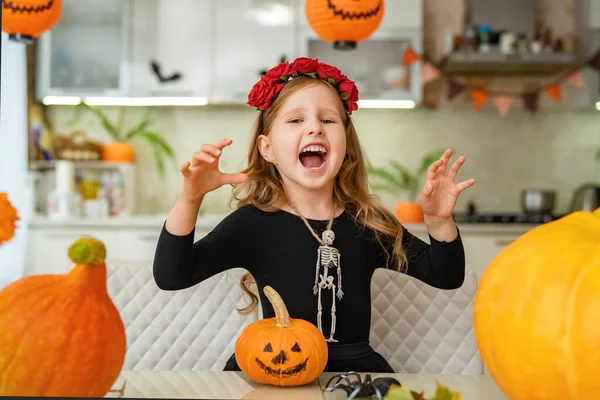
24 20
283 363
281 351
344 22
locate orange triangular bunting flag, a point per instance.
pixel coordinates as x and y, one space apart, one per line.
409 56
554 91
576 79
503 103
479 98
429 73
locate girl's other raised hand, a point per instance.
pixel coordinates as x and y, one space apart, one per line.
202 175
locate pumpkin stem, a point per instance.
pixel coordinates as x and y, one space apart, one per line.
87 250
281 312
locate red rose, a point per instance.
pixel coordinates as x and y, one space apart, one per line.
349 93
305 65
262 93
278 71
329 71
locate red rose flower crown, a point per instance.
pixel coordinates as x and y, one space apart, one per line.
272 82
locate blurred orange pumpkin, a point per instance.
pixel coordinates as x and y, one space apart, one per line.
61 335
8 219
409 212
25 20
537 310
118 152
344 22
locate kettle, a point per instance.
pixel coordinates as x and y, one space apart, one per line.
586 198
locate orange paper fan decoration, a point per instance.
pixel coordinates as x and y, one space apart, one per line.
479 98
554 91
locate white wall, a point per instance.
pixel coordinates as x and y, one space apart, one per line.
13 154
547 150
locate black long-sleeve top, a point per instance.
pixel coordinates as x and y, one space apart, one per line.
278 250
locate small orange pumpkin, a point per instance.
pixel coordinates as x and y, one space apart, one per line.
344 22
61 335
120 152
25 20
409 212
8 219
281 351
537 310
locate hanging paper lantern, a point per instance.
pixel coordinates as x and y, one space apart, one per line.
25 20
344 22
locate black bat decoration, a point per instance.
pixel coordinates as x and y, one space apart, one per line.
156 69
281 60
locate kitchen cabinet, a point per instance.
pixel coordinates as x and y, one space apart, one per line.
176 35
482 243
250 36
375 65
85 53
48 244
47 248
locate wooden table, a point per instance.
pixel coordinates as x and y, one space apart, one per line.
236 385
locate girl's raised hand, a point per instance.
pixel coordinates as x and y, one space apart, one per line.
440 193
202 174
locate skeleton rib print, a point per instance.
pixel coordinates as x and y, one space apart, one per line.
17 8
351 14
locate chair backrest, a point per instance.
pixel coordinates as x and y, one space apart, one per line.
191 329
421 329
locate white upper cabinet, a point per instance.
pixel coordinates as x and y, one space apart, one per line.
213 49
171 48
86 52
250 36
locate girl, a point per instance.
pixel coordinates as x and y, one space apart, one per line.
306 223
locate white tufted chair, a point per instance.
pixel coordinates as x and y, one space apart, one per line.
191 329
421 329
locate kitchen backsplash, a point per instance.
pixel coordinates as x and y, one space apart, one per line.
546 150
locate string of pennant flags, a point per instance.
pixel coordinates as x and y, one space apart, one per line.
503 100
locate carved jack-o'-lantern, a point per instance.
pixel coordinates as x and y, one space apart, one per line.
25 20
281 351
344 22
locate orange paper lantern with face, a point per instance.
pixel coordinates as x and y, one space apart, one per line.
24 20
344 22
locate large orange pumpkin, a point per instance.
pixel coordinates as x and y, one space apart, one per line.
281 351
25 20
537 312
8 219
344 22
61 335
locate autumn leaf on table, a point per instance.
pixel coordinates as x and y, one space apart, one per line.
401 393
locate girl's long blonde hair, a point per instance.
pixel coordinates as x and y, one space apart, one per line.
264 186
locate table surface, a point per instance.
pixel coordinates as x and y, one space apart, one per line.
236 385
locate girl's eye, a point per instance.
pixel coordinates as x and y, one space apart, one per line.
295 120
328 121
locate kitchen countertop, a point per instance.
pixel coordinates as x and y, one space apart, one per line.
236 385
209 221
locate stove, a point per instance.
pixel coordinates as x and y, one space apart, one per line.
504 218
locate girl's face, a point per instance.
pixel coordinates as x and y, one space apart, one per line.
308 138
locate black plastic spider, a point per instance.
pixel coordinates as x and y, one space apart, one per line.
357 388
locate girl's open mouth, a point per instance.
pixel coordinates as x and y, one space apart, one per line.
313 157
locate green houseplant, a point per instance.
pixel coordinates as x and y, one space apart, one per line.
397 178
121 150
